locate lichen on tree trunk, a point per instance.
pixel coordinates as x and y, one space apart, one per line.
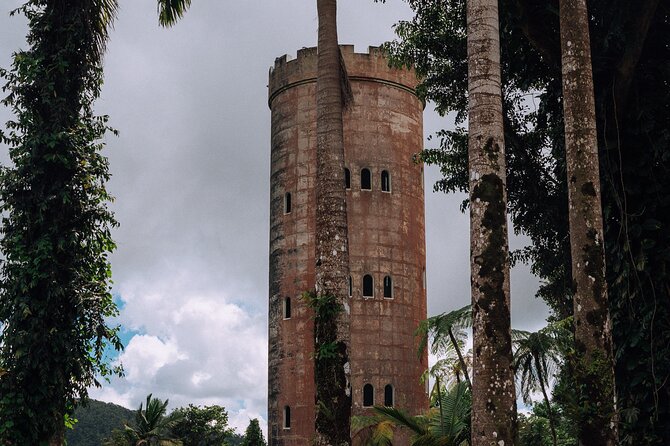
493 395
333 393
593 362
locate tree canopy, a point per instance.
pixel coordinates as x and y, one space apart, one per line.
631 46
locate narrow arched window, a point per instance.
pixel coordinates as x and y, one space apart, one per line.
351 287
366 179
287 417
368 395
347 178
388 287
287 203
388 395
287 308
424 278
386 181
368 286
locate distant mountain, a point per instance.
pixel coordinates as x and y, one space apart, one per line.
96 422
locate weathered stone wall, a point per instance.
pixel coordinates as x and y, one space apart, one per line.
383 130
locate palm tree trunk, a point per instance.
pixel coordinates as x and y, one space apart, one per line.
594 365
540 375
493 395
332 251
464 366
439 399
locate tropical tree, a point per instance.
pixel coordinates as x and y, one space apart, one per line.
152 426
493 395
446 334
447 423
331 330
594 361
630 43
54 282
253 435
201 426
536 358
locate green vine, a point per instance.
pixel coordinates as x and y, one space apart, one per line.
330 357
55 279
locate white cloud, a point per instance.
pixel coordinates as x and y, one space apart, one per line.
194 348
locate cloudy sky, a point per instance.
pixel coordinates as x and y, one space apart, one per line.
191 180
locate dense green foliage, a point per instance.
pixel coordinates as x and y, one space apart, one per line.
54 288
152 425
253 435
185 426
447 422
201 426
534 427
95 421
631 46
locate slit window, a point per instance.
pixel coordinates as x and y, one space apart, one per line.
287 203
388 287
287 417
388 395
368 395
368 286
366 179
386 181
347 178
287 308
351 287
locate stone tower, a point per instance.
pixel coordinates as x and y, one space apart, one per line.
385 205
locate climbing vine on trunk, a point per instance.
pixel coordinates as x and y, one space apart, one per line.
55 280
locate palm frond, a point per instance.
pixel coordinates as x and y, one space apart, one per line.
170 11
415 424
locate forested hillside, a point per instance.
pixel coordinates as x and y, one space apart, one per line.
96 421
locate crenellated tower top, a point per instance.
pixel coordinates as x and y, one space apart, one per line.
372 66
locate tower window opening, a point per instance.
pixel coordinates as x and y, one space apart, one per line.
424 278
287 308
386 181
351 287
368 286
388 287
347 178
368 395
287 417
287 203
366 179
388 395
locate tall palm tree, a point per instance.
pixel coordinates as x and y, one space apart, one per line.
152 426
594 362
493 395
536 357
332 246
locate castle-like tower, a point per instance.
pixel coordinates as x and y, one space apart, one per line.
385 207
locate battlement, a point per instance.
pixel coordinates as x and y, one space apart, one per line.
311 52
371 65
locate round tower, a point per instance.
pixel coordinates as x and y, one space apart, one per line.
383 129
